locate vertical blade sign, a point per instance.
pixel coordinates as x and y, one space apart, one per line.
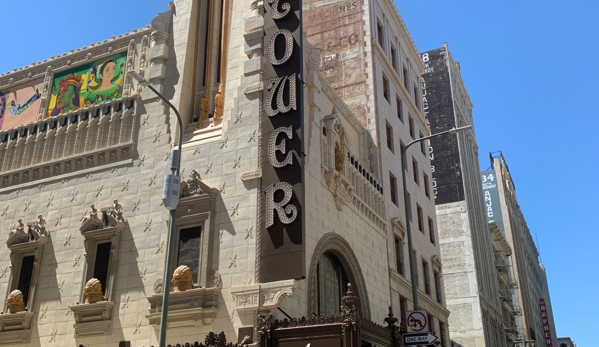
282 247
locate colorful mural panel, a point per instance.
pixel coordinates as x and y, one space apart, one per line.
20 105
87 85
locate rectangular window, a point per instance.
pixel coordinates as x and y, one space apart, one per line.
427 280
411 125
419 215
405 78
25 275
389 136
189 250
399 107
422 143
379 28
438 287
101 264
416 97
431 323
431 231
393 188
402 146
403 307
399 255
442 334
425 182
393 58
385 88
415 171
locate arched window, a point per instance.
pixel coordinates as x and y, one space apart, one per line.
329 286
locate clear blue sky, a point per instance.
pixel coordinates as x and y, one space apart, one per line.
528 66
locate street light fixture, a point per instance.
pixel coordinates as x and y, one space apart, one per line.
170 197
408 209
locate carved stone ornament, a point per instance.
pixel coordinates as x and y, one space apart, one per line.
194 186
14 302
262 296
93 291
339 158
216 278
194 307
182 279
33 232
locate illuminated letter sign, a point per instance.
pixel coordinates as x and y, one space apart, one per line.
282 246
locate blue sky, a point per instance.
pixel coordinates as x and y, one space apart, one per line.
528 67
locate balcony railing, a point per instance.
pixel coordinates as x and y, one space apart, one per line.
71 142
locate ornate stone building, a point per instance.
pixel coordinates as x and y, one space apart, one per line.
280 205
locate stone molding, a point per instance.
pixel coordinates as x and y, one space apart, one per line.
194 307
15 327
92 319
262 296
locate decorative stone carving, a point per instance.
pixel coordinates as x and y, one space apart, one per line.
194 186
92 319
262 296
182 280
93 291
14 302
216 278
193 307
117 211
339 158
219 101
159 286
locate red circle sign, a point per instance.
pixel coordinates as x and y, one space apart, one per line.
416 321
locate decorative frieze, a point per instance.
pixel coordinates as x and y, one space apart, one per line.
262 296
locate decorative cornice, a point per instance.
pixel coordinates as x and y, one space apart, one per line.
262 296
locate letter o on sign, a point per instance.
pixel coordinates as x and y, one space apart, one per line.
270 50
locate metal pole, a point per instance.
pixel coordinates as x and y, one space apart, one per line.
408 209
166 286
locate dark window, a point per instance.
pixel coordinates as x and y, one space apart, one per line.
438 287
427 280
189 250
393 188
330 285
101 264
419 215
399 255
431 323
405 78
415 171
411 125
416 96
431 231
379 28
402 146
393 58
399 106
386 88
425 182
403 307
389 136
25 276
422 143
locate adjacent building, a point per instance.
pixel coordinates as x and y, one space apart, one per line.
565 342
474 255
534 323
289 186
370 60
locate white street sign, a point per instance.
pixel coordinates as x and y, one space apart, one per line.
415 339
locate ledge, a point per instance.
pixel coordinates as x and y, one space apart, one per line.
263 296
14 328
92 319
194 307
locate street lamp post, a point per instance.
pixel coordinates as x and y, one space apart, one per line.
169 188
408 209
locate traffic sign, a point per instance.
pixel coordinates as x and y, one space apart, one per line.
417 321
415 339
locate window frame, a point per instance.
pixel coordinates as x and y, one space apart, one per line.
427 279
386 90
426 183
415 171
389 134
431 231
399 106
393 189
399 258
419 215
